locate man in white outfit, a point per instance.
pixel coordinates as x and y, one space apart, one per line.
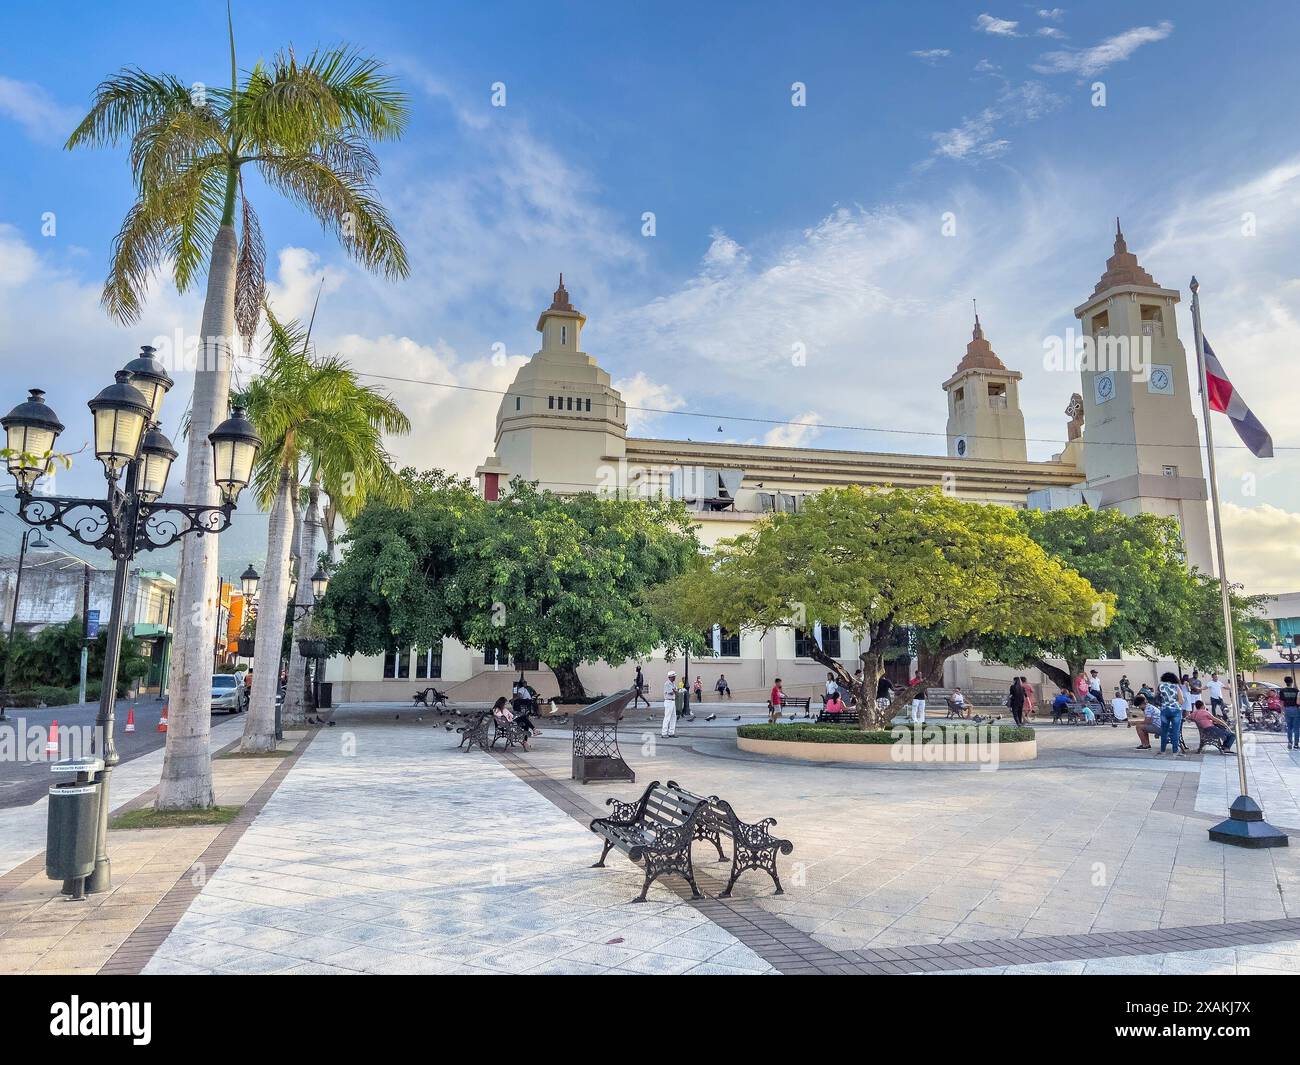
670 706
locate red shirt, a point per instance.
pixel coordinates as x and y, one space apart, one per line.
1203 718
777 697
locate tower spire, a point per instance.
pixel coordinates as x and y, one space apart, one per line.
1123 268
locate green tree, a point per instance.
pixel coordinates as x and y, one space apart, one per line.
1162 608
879 561
306 126
313 415
560 579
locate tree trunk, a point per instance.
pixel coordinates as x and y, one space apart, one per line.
186 781
873 665
295 702
1062 678
571 689
330 521
259 727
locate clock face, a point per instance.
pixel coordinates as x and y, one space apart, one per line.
961 447
1161 380
1104 388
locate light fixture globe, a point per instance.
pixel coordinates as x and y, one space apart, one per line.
234 449
30 431
120 414
158 455
248 581
150 376
320 581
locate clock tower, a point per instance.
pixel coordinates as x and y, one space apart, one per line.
1141 447
984 418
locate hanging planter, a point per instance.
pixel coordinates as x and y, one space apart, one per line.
313 648
244 646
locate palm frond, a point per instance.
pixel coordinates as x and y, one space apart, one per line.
124 103
139 250
250 271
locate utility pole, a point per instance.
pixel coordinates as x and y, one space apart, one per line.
13 620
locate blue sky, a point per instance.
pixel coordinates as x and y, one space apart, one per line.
775 224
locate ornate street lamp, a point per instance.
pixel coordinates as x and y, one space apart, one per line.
132 517
1288 652
248 581
30 431
320 582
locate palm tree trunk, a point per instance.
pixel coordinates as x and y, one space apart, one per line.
187 764
259 727
294 694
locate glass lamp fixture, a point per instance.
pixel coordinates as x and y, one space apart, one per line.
234 449
150 377
120 413
248 581
30 431
158 456
320 581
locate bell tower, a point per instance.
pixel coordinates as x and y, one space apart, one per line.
562 423
1141 447
984 418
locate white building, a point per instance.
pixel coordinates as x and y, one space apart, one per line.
1132 445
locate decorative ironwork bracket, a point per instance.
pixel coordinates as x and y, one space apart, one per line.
103 523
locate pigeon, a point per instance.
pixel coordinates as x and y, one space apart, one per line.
711 717
331 724
397 717
448 726
736 718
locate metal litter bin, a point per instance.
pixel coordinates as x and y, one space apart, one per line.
326 695
72 821
682 700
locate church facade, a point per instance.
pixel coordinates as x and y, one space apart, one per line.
1133 445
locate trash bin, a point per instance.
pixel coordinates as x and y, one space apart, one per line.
73 820
683 701
326 695
279 717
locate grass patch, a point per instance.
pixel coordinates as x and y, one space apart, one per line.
148 817
256 754
828 733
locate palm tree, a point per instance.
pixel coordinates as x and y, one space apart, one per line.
306 126
317 422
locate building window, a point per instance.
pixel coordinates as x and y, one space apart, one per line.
831 640
728 643
550 402
998 396
428 663
1169 471
397 664
570 407
495 656
564 334
518 401
588 406
806 642
803 644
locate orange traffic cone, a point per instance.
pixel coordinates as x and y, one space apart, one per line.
162 721
52 744
130 719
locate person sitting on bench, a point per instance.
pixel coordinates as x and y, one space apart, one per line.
1150 724
834 704
722 687
1214 727
957 703
505 716
1063 704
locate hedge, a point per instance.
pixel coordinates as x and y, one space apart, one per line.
811 733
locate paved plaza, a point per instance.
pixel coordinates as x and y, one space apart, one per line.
378 846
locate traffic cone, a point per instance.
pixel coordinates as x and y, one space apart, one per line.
162 721
130 719
52 744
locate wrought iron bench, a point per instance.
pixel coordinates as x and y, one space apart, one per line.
790 704
511 732
656 830
660 827
478 731
844 717
422 698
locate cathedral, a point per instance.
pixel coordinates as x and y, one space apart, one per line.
1132 444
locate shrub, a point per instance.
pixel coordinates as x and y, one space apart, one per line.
827 733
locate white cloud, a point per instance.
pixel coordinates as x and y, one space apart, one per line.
1262 544
43 119
1088 61
18 262
646 400
932 55
801 431
998 27
979 136
301 279
1052 14
1050 31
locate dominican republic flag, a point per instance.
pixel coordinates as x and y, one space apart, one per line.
1227 400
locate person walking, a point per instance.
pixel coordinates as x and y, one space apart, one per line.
1215 689
1016 701
1031 699
775 701
1171 713
699 690
670 706
918 700
1291 709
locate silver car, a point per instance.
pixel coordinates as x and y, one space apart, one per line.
227 694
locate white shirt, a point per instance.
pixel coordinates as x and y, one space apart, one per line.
670 689
831 687
1119 706
1216 689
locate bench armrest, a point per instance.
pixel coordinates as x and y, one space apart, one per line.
623 811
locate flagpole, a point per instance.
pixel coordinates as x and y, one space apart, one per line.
1245 826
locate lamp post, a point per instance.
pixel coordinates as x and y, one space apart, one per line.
137 459
1288 652
320 581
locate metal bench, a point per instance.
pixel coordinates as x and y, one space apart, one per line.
844 717
511 732
422 698
478 732
660 828
790 704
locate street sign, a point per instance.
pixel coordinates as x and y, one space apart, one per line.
92 624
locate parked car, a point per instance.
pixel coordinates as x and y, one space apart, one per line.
227 694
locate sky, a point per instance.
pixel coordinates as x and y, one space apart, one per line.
941 152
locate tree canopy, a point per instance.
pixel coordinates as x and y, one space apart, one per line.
557 579
878 560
